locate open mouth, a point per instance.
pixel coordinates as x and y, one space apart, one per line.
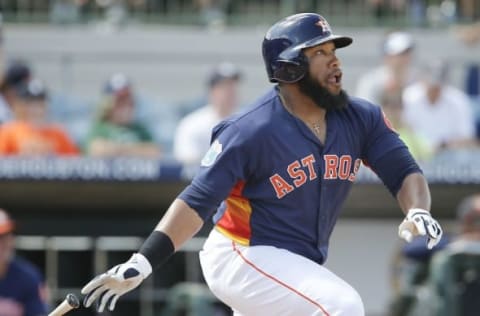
335 78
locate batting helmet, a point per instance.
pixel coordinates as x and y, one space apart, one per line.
283 44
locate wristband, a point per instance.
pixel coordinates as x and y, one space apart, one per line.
157 248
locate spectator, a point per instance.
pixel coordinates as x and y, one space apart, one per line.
393 108
438 111
468 10
2 48
395 72
468 216
30 133
66 11
417 11
22 288
192 138
212 12
469 34
116 131
383 9
470 37
445 281
16 73
410 277
117 13
455 277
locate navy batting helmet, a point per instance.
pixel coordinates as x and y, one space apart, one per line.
283 44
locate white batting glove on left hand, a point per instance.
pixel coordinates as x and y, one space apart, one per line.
109 286
420 222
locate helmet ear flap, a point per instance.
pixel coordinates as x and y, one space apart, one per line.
291 71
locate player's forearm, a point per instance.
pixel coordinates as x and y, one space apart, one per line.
180 223
414 193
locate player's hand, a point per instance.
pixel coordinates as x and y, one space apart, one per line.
108 287
420 222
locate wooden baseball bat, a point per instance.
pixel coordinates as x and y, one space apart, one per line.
70 302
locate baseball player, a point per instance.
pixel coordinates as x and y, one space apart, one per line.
275 178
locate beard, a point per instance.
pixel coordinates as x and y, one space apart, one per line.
321 96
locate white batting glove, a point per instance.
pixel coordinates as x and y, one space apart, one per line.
109 286
420 222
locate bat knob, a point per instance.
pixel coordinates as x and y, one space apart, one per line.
70 302
73 300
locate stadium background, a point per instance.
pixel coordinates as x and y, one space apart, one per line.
167 50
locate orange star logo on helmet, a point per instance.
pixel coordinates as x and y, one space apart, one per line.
324 25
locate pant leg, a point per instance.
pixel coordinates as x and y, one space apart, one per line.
265 280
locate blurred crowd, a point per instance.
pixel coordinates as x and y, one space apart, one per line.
22 287
116 128
116 14
430 114
445 280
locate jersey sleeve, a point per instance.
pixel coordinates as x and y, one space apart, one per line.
386 153
225 164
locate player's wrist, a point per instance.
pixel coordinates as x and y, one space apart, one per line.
156 249
142 263
417 210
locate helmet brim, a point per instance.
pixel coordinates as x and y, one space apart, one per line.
340 41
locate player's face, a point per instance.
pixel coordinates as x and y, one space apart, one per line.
324 66
322 83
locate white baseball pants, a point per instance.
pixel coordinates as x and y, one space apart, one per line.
269 281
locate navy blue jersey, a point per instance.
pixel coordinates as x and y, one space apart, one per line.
272 182
22 288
